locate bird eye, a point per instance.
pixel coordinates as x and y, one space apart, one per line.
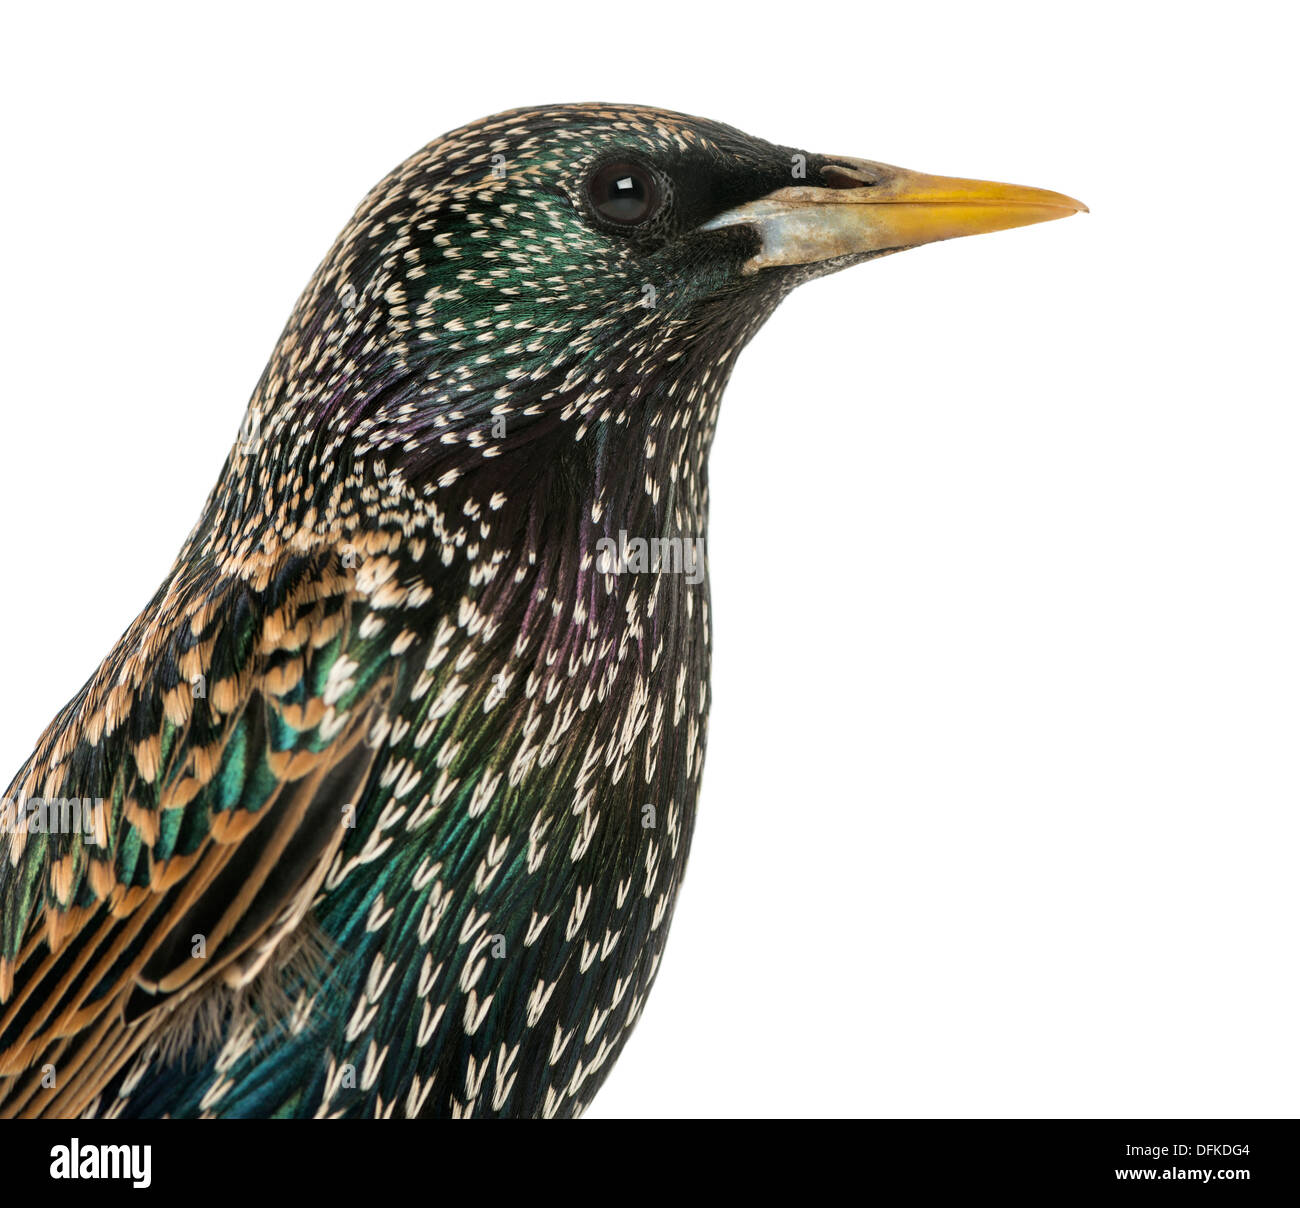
624 193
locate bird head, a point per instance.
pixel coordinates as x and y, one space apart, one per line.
549 272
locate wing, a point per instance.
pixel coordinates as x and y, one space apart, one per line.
177 817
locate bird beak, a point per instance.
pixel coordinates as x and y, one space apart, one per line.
869 207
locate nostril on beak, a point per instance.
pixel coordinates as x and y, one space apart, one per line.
838 176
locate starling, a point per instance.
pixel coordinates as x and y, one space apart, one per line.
381 805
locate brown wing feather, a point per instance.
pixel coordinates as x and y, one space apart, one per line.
104 958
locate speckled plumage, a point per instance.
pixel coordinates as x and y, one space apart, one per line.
420 773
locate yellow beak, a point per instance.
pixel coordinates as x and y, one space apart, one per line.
871 207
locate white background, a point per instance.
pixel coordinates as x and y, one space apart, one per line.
999 816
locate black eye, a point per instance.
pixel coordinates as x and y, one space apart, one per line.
624 193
